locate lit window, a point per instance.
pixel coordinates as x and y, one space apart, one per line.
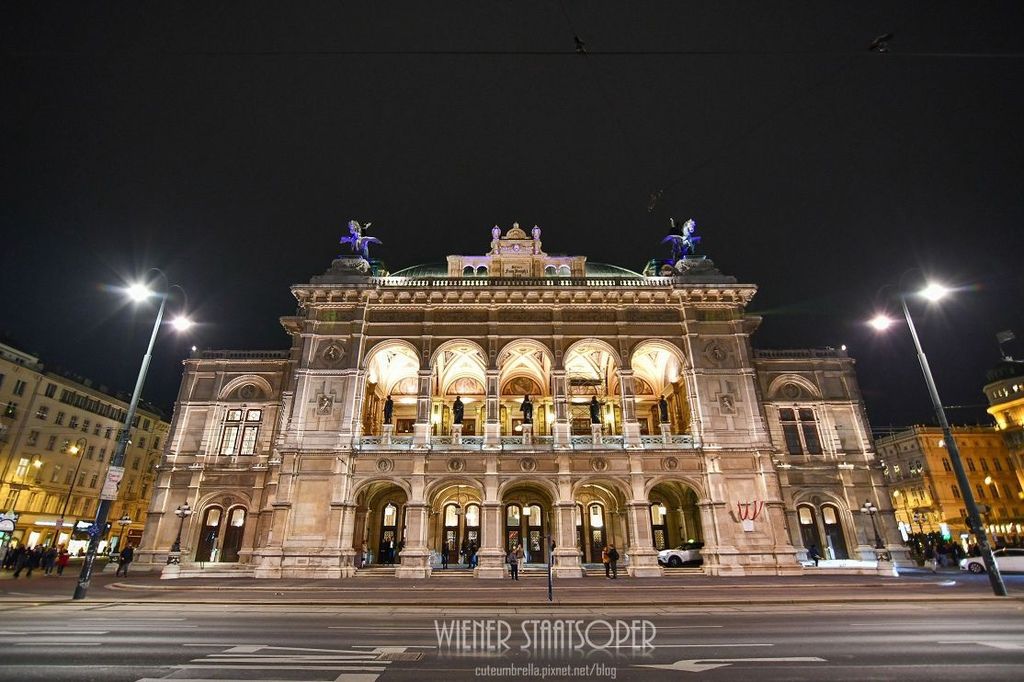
227 442
249 440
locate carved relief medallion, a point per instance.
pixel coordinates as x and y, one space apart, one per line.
248 392
333 353
385 465
670 464
528 464
715 352
456 464
599 464
727 403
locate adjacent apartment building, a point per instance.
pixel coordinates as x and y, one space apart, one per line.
57 435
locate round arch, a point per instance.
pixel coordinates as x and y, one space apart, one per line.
547 486
455 343
676 478
647 361
408 349
360 486
778 384
579 345
235 384
435 490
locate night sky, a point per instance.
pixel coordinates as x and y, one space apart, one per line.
229 145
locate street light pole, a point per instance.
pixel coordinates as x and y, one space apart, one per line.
973 516
124 522
182 512
77 449
109 492
870 509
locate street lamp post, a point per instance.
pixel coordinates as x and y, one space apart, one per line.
124 522
870 509
115 470
78 449
934 292
182 512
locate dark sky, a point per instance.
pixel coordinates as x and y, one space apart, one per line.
229 144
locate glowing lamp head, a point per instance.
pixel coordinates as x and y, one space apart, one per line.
139 292
881 322
181 323
934 292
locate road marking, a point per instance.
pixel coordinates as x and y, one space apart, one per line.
1005 646
25 633
58 644
698 665
698 646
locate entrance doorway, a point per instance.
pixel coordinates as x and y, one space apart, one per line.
233 534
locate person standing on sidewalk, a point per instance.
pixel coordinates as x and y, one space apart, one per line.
613 561
123 561
513 564
63 557
520 556
49 560
604 560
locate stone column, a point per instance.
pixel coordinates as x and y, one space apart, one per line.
643 559
527 434
415 557
456 434
630 425
491 556
566 555
421 429
666 433
492 427
560 429
348 552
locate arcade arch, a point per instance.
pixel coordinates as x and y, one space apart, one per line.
391 370
380 522
524 369
458 369
591 369
674 514
658 371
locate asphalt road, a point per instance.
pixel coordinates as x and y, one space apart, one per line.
965 640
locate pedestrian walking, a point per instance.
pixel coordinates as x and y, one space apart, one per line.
812 554
444 556
49 560
604 560
520 556
613 561
124 560
63 557
513 564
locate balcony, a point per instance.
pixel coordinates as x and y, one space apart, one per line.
516 444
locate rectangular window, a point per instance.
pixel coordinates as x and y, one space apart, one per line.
43 412
85 426
51 389
90 452
145 425
234 416
249 440
11 410
156 443
103 453
981 491
253 415
19 387
984 464
970 464
96 430
135 464
93 480
70 476
81 479
33 436
74 421
142 442
22 468
51 443
945 464
108 433
227 442
60 419
996 464
55 474
792 434
995 490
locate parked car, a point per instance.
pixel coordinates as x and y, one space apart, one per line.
1006 560
686 554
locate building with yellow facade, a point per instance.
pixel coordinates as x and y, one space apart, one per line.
57 435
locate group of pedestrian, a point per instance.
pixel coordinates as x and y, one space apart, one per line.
22 559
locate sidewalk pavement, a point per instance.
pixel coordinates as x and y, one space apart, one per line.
454 591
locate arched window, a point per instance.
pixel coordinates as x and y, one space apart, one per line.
481 271
451 531
595 519
835 540
473 524
659 525
468 271
388 546
513 522
549 271
809 527
564 271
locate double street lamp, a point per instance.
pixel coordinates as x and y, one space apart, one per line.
870 509
123 522
182 512
934 292
137 292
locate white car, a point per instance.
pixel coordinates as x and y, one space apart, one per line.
686 554
1006 560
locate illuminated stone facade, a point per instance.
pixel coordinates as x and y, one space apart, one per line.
291 470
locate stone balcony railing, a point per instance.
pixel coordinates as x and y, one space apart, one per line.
432 283
516 443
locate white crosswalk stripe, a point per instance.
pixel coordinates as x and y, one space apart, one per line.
268 663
